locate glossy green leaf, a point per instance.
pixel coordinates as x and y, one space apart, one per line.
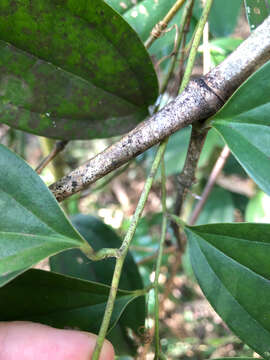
218 208
258 208
223 16
232 167
71 69
231 263
75 263
257 11
59 301
32 224
244 123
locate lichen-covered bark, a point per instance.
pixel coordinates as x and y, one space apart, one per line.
201 99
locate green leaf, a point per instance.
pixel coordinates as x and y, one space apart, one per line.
218 208
257 11
75 263
72 69
231 263
244 124
32 225
59 301
223 16
258 208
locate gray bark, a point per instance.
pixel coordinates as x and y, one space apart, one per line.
201 99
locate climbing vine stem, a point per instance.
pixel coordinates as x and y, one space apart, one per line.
195 44
159 258
184 19
161 26
124 249
187 176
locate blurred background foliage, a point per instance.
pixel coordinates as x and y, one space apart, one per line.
190 329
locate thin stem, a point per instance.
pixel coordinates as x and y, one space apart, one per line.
157 30
124 249
184 50
144 196
195 44
177 220
221 161
187 176
159 259
184 18
57 148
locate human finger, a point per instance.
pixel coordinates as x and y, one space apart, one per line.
30 341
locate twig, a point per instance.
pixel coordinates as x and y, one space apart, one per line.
161 26
175 115
183 51
221 161
174 51
58 147
195 44
184 19
200 100
124 249
187 177
159 258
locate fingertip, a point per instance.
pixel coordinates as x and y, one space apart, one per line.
31 341
107 352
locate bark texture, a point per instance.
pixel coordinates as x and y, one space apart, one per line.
201 99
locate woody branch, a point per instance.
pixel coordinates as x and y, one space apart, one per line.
201 99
